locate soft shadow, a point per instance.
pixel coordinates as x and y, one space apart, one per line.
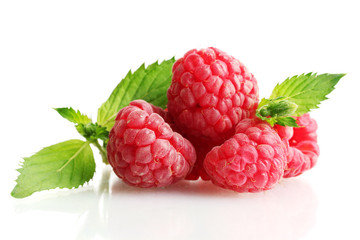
88 203
193 188
286 212
111 209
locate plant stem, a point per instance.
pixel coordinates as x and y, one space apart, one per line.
102 151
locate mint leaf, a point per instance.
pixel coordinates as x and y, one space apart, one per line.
65 165
92 131
306 90
73 116
149 84
287 121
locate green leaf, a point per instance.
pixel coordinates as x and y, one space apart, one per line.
296 96
73 116
149 84
65 165
306 90
287 121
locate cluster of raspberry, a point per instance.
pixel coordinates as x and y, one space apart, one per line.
209 131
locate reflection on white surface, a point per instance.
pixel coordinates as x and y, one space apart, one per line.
186 210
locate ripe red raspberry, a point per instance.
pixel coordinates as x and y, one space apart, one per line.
144 151
252 160
210 93
303 148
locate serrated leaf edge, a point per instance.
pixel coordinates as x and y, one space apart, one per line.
85 143
126 78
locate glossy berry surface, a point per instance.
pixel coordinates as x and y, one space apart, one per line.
252 160
210 93
143 149
303 147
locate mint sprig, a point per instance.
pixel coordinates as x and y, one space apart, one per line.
71 164
296 96
90 131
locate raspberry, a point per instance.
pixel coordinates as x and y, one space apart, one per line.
144 151
303 148
210 93
252 160
202 147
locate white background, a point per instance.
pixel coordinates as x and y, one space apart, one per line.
73 53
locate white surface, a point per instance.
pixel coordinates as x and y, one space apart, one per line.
73 53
